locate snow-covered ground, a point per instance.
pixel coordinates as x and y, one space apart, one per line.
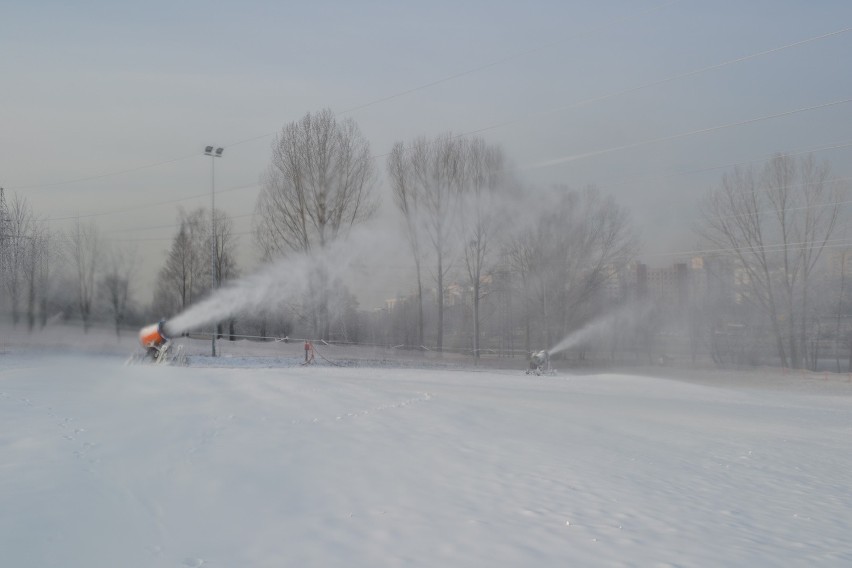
248 464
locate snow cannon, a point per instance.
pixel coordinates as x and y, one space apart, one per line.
540 363
158 346
153 336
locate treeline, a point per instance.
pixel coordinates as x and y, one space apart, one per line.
49 275
496 266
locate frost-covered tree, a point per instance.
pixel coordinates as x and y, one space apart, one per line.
19 225
119 267
319 185
571 243
776 220
186 274
483 204
84 249
428 178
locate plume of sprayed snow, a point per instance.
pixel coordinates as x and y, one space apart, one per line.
628 316
285 280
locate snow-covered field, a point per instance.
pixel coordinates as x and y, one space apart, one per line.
103 465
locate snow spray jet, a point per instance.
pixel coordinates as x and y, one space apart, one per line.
285 280
626 317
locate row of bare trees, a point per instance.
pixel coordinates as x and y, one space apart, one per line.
319 185
450 191
459 208
186 275
24 261
45 273
543 258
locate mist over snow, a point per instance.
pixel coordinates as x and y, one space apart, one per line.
624 318
286 280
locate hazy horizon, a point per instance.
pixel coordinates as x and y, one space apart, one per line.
107 107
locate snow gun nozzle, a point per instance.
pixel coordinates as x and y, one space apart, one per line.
153 335
541 356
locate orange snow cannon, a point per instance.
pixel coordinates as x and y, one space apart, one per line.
158 347
153 336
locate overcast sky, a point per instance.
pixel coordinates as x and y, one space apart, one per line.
95 88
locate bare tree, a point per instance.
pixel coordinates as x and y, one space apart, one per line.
434 171
564 255
225 260
820 201
522 253
46 259
5 238
482 205
119 267
601 242
19 228
776 221
226 243
186 274
406 200
318 186
35 264
84 252
841 296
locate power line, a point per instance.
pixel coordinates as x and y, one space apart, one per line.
379 100
643 86
633 145
658 82
620 182
502 60
631 179
170 225
244 215
509 122
787 209
105 175
147 205
564 107
774 247
475 69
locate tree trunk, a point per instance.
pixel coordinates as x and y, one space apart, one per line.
839 309
792 337
440 303
476 321
850 356
31 300
419 307
803 323
776 330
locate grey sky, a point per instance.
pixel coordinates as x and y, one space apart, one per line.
100 87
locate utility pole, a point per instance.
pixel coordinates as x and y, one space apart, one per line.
217 153
5 240
4 232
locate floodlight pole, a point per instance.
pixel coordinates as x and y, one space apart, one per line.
209 151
